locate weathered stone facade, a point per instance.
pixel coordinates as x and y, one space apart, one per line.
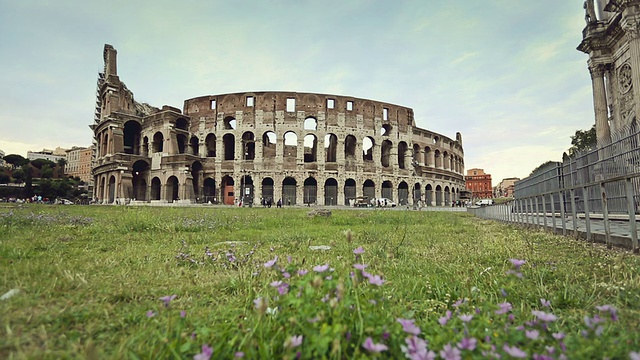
611 38
302 148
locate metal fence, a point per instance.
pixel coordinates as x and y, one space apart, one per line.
595 193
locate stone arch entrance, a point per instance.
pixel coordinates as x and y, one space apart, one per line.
349 191
331 192
289 186
403 193
155 188
172 189
267 189
209 191
369 189
228 195
310 191
140 173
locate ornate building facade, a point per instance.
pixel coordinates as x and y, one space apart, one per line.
479 184
611 38
302 148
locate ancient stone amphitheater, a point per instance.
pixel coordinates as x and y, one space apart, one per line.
236 148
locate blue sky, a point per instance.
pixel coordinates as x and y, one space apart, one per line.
504 73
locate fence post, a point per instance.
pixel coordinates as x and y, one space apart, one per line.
633 229
544 211
574 215
605 215
562 218
553 213
587 218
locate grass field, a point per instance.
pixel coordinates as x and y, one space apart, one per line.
135 282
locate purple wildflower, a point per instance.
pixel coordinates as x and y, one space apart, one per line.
295 341
376 280
289 259
444 319
532 334
505 307
359 250
459 302
276 283
150 314
517 263
321 268
167 299
449 352
611 309
270 263
545 303
239 354
183 314
634 355
409 327
558 335
360 266
468 344
205 354
283 288
518 274
302 272
541 357
503 292
543 316
416 349
514 351
465 317
370 346
286 275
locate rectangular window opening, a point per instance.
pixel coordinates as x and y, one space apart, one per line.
291 105
213 104
331 103
250 101
385 114
349 105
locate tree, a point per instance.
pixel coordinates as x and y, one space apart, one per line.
46 171
18 176
583 140
39 163
61 165
15 160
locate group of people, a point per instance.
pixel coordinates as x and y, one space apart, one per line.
267 202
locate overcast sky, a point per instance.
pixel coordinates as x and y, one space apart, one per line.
504 73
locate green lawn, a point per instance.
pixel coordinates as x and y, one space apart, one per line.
90 279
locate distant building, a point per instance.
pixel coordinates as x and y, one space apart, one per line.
52 155
79 163
479 184
505 187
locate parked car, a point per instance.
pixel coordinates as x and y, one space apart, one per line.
382 202
484 202
361 201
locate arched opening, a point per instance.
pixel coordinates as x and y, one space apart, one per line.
209 191
132 135
246 184
229 123
155 188
417 193
112 189
417 158
140 173
369 189
290 145
445 160
402 153
269 145
385 130
330 147
194 145
267 189
172 189
427 156
438 195
310 148
310 123
158 142
145 146
438 159
196 174
229 142
228 195
428 195
289 186
182 124
331 192
349 191
310 191
367 148
385 153
350 143
210 142
182 143
387 190
101 190
447 196
403 193
248 146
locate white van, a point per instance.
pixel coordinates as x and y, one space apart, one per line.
484 202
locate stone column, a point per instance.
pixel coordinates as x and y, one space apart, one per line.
600 103
632 33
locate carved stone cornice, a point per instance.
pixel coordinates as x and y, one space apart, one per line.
631 28
597 70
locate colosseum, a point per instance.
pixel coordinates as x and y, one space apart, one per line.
302 148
